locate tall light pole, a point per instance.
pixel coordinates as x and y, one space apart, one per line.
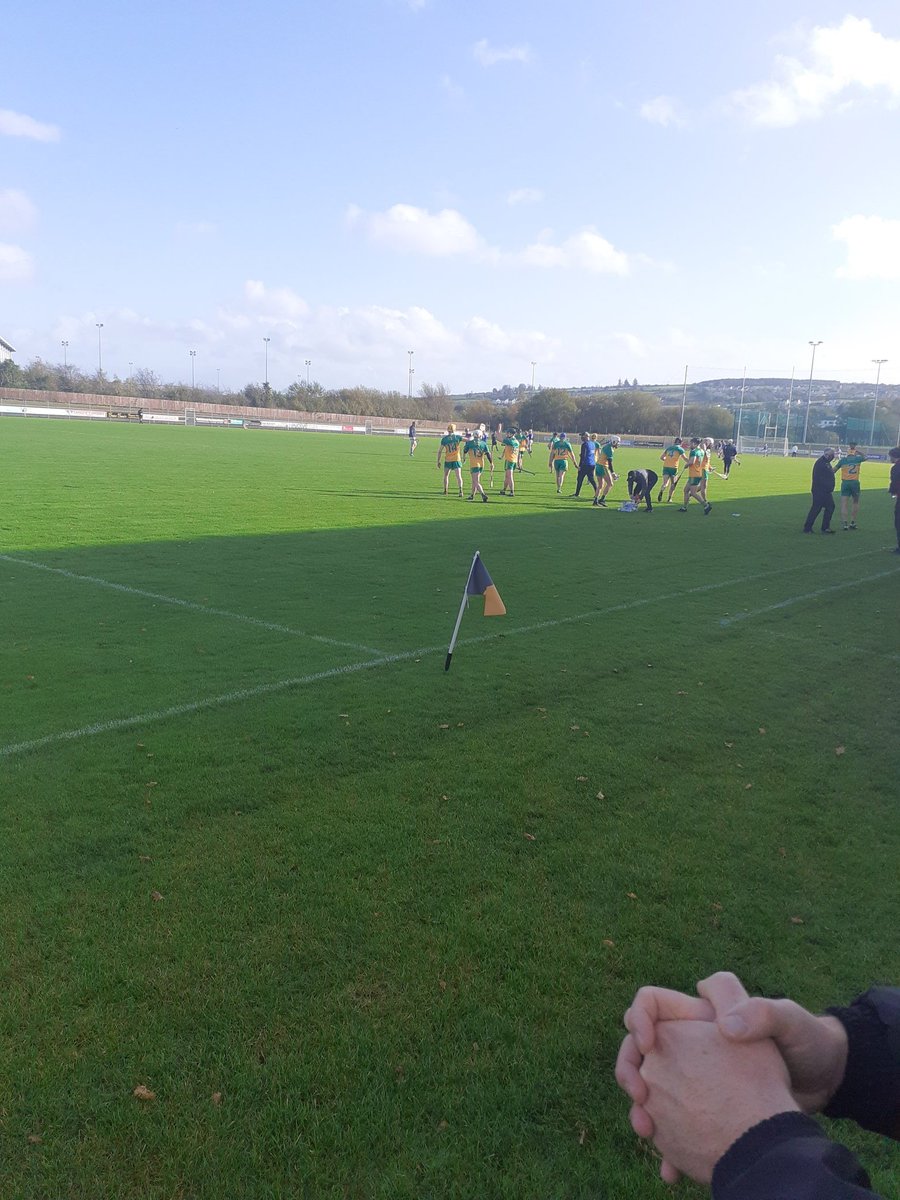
308 365
99 325
533 365
741 410
787 427
193 354
879 361
809 389
411 371
683 402
65 346
218 372
267 340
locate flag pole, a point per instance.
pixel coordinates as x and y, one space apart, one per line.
462 609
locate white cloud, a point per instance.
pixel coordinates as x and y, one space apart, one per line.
838 65
662 110
14 124
17 213
488 56
481 334
586 251
452 90
415 230
632 343
278 303
16 264
873 247
525 195
447 233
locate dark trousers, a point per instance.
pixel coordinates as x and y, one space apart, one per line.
585 473
897 521
820 501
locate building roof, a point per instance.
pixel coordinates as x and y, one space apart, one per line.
6 346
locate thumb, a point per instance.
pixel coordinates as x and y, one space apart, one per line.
754 1019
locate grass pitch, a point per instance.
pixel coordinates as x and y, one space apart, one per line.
366 929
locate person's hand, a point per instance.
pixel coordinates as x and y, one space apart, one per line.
704 1092
814 1048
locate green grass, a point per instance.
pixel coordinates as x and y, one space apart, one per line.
399 925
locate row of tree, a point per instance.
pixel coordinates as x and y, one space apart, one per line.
629 411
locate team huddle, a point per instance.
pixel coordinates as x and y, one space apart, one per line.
594 466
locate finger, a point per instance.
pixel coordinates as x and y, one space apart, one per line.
668 1173
723 990
641 1121
628 1071
756 1018
652 1004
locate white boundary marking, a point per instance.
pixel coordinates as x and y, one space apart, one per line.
266 689
791 600
272 626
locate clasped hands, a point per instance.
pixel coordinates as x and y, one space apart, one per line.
702 1070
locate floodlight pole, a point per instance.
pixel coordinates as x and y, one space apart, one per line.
99 325
533 365
683 401
809 389
411 373
741 410
267 340
879 361
787 428
308 365
65 346
193 354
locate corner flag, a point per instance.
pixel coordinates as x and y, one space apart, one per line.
479 583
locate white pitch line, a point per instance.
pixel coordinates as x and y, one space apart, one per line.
272 626
265 689
791 600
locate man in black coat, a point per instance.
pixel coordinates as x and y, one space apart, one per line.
822 493
640 487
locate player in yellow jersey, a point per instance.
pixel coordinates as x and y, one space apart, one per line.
673 459
693 489
848 465
476 452
510 446
450 447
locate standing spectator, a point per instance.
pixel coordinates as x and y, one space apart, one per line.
412 439
729 455
586 464
822 493
894 489
848 465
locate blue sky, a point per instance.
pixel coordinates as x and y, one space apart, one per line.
604 190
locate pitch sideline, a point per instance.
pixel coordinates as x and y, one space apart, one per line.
266 689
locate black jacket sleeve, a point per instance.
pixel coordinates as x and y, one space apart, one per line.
789 1156
822 477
